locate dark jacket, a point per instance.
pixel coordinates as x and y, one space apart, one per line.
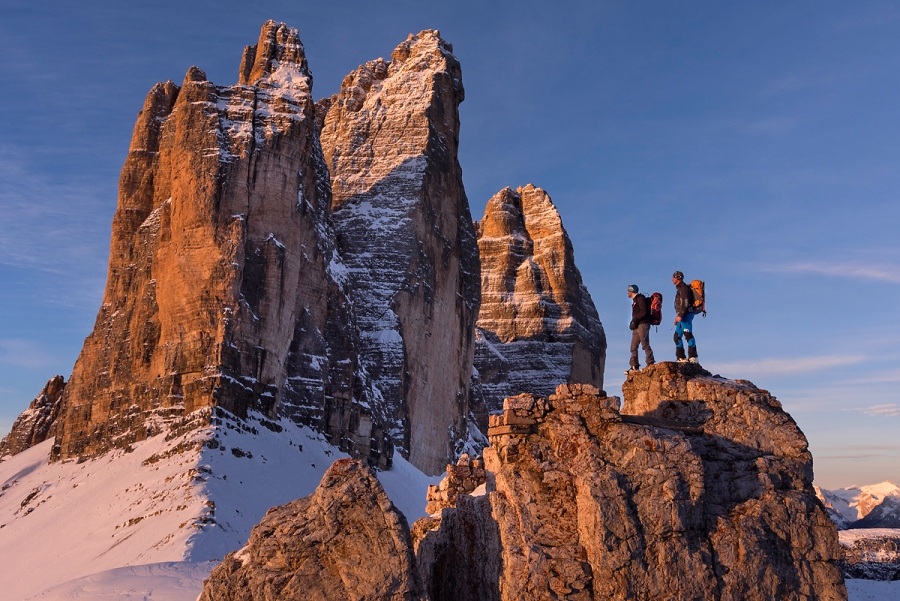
640 310
684 299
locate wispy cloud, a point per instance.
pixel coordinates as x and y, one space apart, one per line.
775 366
22 353
881 273
885 410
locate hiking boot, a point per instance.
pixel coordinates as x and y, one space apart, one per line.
681 360
693 360
632 370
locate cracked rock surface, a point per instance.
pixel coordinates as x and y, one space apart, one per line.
699 489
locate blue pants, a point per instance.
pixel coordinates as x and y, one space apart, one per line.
685 328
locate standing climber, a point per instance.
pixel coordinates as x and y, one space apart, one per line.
640 328
684 318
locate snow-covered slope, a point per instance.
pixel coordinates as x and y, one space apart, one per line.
168 581
192 498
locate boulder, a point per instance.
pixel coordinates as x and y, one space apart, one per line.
345 542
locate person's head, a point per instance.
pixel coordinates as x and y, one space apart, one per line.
677 278
632 290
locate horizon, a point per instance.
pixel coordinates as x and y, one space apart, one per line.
753 148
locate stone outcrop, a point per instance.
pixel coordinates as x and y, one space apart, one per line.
405 234
344 542
38 422
461 479
700 488
538 326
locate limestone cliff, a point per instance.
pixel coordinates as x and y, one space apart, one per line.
700 489
224 285
38 422
538 326
344 542
405 233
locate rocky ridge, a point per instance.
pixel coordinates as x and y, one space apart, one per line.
699 488
38 422
538 326
871 555
697 475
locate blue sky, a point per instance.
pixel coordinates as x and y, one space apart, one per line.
752 146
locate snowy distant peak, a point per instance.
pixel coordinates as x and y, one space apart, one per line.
871 506
278 56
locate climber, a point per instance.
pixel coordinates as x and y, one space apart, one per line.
684 318
640 328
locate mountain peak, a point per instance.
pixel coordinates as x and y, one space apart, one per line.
279 52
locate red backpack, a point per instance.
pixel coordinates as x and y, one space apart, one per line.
656 309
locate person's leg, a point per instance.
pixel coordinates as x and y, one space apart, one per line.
635 340
645 343
689 335
679 346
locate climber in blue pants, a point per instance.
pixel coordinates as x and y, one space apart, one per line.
684 318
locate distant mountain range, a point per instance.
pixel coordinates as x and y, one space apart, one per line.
872 506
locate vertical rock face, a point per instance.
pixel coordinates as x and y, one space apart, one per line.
345 541
702 492
37 423
538 326
221 278
404 231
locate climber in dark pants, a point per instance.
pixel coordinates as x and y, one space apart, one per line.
640 328
684 318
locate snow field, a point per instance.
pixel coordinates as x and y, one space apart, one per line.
191 499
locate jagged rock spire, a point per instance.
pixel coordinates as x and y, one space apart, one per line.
279 46
538 326
404 229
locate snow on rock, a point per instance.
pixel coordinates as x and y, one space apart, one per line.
193 497
405 233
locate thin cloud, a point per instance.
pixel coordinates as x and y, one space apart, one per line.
880 273
22 353
885 410
771 367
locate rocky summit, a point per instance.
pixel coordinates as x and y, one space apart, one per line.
538 326
699 488
405 233
219 240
